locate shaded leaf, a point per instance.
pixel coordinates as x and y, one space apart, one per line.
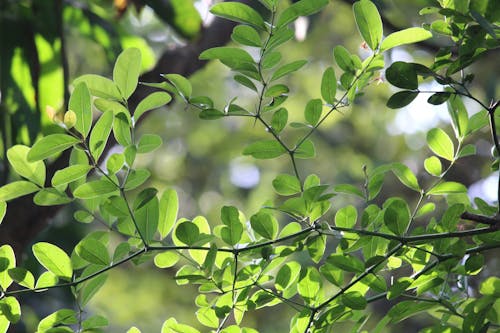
100 86
264 149
329 85
95 189
402 75
100 134
80 103
401 99
288 68
286 184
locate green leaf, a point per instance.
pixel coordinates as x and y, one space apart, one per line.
270 59
243 80
343 58
166 259
401 99
93 251
459 116
83 216
286 184
406 176
346 217
402 75
33 171
246 35
100 86
150 102
348 189
11 309
46 279
229 56
368 22
121 128
148 143
440 143
329 86
405 36
346 262
277 90
17 189
433 166
399 287
264 224
447 188
490 286
287 275
53 259
279 119
7 262
58 318
309 284
407 309
264 149
126 71
114 163
181 84
95 189
187 232
100 134
51 197
50 145
313 111
70 174
147 219
3 210
397 216
81 104
94 322
232 231
169 207
306 150
438 98
300 8
239 12
211 114
136 178
316 246
354 300
288 68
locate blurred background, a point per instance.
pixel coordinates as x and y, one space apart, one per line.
45 45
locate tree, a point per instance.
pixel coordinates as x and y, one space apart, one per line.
417 251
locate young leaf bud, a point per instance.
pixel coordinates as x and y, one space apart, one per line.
70 119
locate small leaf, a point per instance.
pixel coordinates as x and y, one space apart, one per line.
246 35
95 189
229 56
401 99
148 143
309 284
169 206
211 114
11 309
100 86
243 80
397 216
80 103
136 178
406 176
438 98
264 224
279 119
447 188
287 69
181 84
166 259
368 22
70 174
346 262
33 171
433 166
354 300
121 128
329 86
270 59
402 75
316 246
277 90
3 210
305 150
405 36
346 217
239 12
93 251
50 145
343 58
286 185
440 143
126 71
17 189
313 111
7 262
53 259
147 217
100 134
22 276
51 197
264 149
232 231
94 322
187 232
300 8
150 102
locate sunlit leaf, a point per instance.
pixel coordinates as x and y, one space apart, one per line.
126 71
150 102
7 262
300 8
93 251
433 166
286 184
166 259
148 143
312 112
50 145
232 231
70 174
397 216
53 259
287 69
440 143
239 12
447 188
246 35
368 22
51 197
100 134
95 189
80 103
346 217
18 159
264 224
17 189
100 86
405 36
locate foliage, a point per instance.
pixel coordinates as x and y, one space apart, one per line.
328 266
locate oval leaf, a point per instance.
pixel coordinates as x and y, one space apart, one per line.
440 143
126 71
80 103
50 145
239 12
33 171
264 149
368 22
53 259
406 36
152 101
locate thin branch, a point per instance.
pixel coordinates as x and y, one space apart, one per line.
492 221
